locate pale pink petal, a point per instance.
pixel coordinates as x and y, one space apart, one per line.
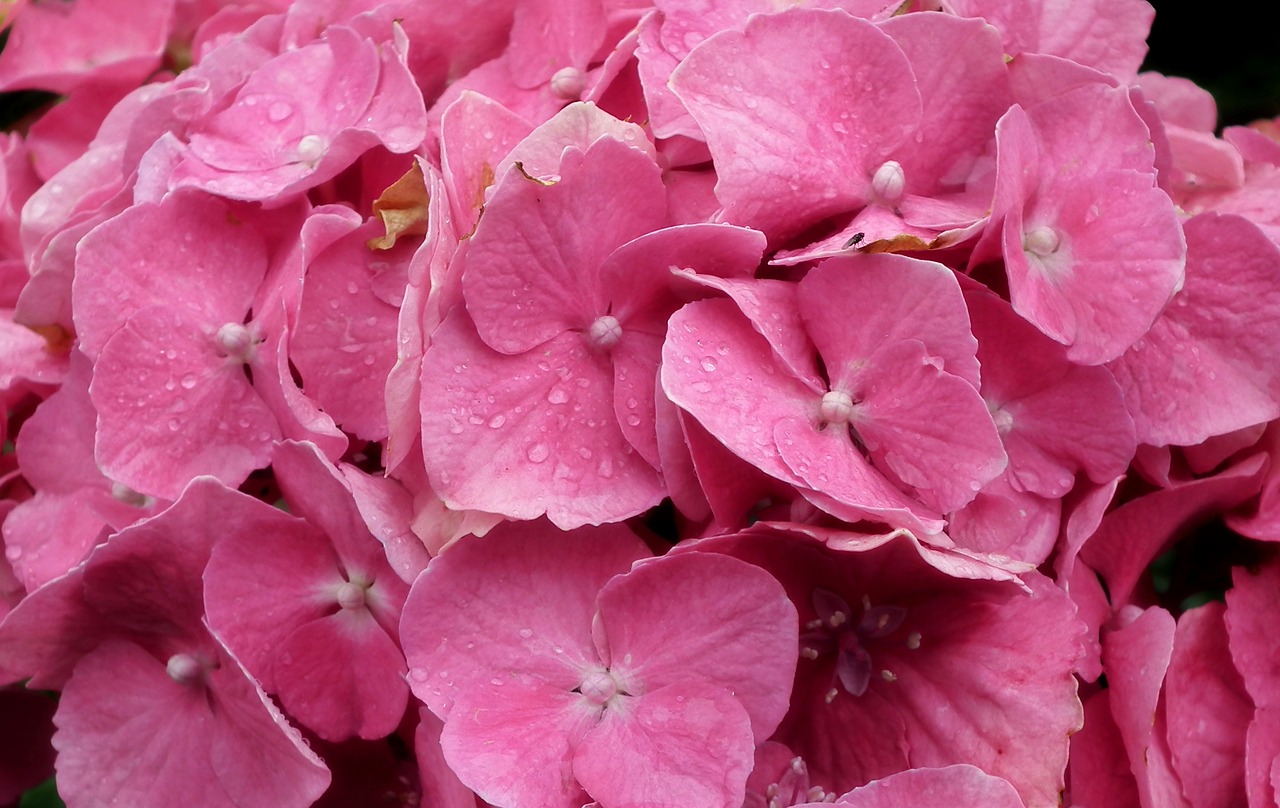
471 614
683 744
129 733
1195 375
529 434
513 742
705 618
960 786
774 103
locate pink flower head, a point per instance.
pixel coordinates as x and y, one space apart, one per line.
564 666
539 397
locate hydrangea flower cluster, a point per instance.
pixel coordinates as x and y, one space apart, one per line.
714 403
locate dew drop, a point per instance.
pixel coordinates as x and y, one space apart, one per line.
278 112
557 395
188 381
526 633
708 364
538 452
497 421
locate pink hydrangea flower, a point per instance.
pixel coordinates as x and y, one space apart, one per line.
563 666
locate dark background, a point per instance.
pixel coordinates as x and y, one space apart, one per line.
1223 48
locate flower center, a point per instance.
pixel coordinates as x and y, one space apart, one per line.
837 407
568 83
793 788
604 332
1041 241
184 669
234 341
835 631
598 687
888 183
351 596
311 148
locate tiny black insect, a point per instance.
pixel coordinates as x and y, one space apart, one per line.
854 240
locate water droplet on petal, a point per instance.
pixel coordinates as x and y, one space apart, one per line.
538 452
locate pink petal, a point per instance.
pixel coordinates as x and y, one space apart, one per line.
129 733
782 88
1191 376
253 619
751 390
961 786
126 264
513 742
533 266
170 408
703 618
342 676
529 434
916 300
1208 711
503 605
1063 249
680 745
925 427
345 333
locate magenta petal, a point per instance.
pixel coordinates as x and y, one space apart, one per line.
471 614
342 676
1251 604
513 742
681 745
1136 658
130 734
1208 711
705 618
960 786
